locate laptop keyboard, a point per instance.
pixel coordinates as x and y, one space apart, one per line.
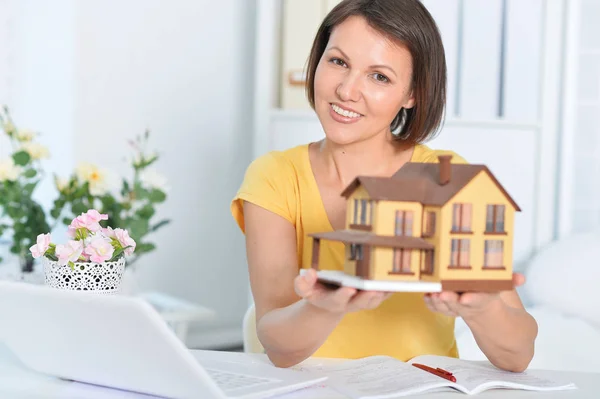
231 381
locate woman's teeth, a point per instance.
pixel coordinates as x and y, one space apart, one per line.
343 112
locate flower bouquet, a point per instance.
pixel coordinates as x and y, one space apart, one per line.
93 259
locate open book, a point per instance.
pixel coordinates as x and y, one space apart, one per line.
380 377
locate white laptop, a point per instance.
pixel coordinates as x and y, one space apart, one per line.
122 342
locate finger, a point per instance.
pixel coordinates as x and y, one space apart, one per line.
472 299
341 297
518 279
450 299
376 300
440 306
303 285
363 300
333 301
428 302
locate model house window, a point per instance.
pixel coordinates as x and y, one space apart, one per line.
460 254
363 211
401 261
429 224
355 252
428 262
494 221
404 223
461 218
494 251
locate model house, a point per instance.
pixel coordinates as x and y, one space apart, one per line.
431 222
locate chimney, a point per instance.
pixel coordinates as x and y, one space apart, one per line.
445 169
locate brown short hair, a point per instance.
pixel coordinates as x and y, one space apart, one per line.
407 22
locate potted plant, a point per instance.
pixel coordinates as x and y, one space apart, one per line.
93 258
21 216
131 205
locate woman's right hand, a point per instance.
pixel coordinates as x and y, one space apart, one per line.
336 300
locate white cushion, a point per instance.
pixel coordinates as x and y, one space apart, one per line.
565 276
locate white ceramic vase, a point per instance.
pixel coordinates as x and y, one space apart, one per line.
101 278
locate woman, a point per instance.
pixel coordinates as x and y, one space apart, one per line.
377 81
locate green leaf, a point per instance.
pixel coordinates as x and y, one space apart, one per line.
116 254
30 173
145 247
138 227
139 192
160 224
145 212
56 210
28 189
125 190
157 196
21 158
78 207
108 201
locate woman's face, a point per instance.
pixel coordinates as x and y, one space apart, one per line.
362 81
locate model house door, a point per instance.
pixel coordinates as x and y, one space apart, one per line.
362 263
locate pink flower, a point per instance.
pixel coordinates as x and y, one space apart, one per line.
69 252
109 232
125 240
99 249
89 220
96 216
43 243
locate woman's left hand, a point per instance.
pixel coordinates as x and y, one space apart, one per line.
467 304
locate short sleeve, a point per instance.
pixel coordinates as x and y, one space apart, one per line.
267 184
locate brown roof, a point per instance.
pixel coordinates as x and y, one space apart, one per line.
368 238
418 182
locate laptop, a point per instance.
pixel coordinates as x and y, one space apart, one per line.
121 342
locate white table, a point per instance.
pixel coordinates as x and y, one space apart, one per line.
17 382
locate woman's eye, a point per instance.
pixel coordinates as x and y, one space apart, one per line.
337 61
381 78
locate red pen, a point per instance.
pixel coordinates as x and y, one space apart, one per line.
437 371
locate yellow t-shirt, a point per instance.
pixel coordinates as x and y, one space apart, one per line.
402 326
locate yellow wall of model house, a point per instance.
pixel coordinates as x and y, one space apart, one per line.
385 224
358 194
480 192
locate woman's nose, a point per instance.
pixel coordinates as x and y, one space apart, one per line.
349 88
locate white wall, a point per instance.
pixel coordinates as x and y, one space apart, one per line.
183 69
37 79
91 75
580 198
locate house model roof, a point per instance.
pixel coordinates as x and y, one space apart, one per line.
426 183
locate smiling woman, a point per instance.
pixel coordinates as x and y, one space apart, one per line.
377 82
400 59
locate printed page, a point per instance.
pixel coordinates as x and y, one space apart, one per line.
476 376
380 377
